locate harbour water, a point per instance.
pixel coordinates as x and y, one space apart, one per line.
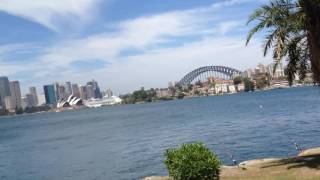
128 142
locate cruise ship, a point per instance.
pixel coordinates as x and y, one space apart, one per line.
105 101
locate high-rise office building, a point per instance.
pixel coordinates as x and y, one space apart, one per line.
4 90
33 92
96 89
15 94
68 88
50 94
90 92
10 104
75 90
83 92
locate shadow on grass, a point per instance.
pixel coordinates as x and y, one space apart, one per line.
298 162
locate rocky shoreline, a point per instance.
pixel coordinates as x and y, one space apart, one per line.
305 165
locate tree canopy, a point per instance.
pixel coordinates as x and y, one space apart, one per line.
293 32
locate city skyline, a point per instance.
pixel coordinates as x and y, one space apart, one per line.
123 51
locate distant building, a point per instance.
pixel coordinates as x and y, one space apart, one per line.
109 93
75 90
83 92
161 93
68 89
4 90
276 73
249 73
15 94
41 99
95 88
50 94
261 69
62 92
232 89
25 102
33 92
10 104
90 92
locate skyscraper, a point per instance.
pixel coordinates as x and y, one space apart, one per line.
75 90
83 92
68 88
4 90
90 91
33 92
15 94
50 95
96 89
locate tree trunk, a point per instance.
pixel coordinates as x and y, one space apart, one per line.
312 11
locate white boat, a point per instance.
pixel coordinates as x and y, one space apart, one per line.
105 101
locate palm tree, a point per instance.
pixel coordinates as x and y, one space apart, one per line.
292 33
311 9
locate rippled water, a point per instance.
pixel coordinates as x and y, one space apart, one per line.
128 142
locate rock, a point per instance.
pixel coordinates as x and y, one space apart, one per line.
310 152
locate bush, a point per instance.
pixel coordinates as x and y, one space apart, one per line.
192 162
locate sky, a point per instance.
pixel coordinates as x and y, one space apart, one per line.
123 44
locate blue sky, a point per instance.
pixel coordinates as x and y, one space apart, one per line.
123 44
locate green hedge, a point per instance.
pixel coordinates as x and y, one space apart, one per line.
192 162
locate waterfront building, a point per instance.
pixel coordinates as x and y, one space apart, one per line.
75 90
279 83
240 87
10 103
276 73
15 94
33 92
4 90
161 93
231 89
50 94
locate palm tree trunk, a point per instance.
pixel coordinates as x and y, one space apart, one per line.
312 10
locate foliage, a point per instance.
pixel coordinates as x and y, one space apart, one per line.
248 85
293 31
192 162
237 80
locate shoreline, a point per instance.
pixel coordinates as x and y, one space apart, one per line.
306 165
56 110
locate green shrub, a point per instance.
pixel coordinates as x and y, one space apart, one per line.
192 162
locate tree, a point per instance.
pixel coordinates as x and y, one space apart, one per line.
293 29
237 80
248 85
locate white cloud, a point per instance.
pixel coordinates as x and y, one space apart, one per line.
51 13
159 60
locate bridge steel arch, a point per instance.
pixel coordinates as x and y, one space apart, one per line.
230 72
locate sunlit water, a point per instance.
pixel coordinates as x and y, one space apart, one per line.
128 142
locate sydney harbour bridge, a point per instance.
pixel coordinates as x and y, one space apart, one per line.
203 73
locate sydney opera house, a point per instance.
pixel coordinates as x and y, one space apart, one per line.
71 101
